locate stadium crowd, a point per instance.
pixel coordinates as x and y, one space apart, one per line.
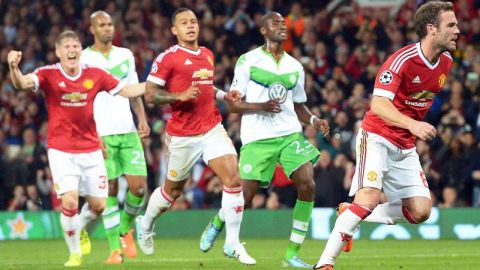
341 47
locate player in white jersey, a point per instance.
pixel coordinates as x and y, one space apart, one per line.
123 150
272 84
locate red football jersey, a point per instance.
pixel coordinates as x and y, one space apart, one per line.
176 69
71 127
411 83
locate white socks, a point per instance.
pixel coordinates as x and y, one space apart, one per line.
86 215
70 225
232 209
159 202
387 213
344 229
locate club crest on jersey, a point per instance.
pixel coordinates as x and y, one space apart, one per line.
372 176
247 168
278 91
88 84
202 74
441 80
386 77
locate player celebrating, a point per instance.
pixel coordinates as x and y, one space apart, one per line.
183 77
74 151
124 152
386 158
272 83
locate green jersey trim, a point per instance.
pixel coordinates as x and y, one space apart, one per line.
267 78
120 70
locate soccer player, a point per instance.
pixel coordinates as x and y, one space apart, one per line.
182 76
272 84
123 148
74 151
404 90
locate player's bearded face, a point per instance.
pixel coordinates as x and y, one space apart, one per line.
448 31
69 53
103 28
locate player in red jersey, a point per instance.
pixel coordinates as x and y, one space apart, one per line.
386 157
74 151
182 76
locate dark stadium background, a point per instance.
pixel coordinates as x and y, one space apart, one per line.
341 45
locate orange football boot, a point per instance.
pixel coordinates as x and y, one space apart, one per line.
341 208
128 244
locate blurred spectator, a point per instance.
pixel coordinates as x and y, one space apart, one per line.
295 23
450 198
273 202
259 200
329 179
19 200
33 201
213 194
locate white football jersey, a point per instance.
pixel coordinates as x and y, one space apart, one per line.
112 113
260 78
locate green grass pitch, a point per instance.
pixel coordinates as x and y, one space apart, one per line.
184 254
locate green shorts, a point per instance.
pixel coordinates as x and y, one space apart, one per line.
259 158
124 155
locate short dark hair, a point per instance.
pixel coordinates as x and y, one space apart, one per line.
429 13
66 34
179 10
265 18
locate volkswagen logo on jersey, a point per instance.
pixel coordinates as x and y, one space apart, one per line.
278 91
386 77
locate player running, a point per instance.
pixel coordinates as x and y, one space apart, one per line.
386 158
272 84
123 148
182 76
74 151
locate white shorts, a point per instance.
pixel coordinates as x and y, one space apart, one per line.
84 172
183 152
382 165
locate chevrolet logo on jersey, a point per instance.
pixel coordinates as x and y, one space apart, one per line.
74 97
423 95
202 74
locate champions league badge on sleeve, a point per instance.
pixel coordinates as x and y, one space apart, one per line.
386 77
154 68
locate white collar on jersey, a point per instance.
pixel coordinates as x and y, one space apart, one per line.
420 53
197 52
72 78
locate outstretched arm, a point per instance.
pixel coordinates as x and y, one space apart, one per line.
272 106
307 117
157 94
383 108
231 96
133 90
19 81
